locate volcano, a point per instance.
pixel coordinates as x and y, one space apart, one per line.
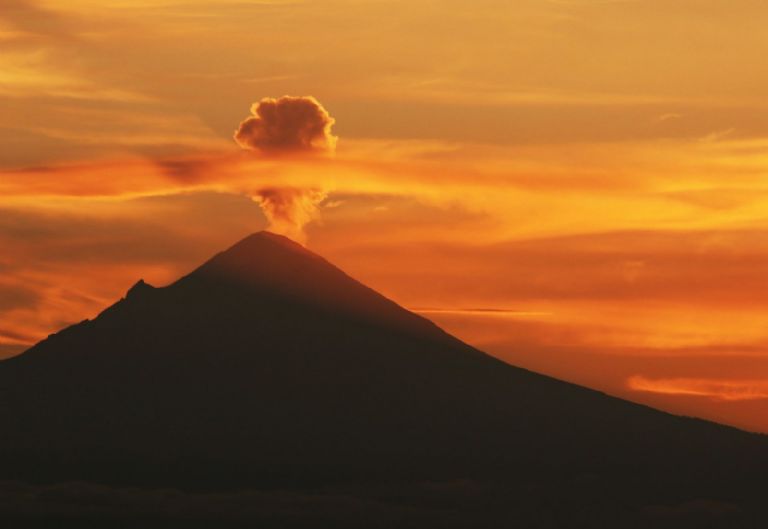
273 389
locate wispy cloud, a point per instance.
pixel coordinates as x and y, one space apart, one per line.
725 390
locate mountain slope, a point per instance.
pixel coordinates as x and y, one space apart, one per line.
268 367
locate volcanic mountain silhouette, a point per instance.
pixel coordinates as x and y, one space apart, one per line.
269 368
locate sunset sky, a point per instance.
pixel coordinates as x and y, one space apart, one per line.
579 187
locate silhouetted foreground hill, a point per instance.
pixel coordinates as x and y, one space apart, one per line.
269 389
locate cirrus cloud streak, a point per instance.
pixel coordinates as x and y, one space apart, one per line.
725 390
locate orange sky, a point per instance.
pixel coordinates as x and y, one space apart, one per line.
577 186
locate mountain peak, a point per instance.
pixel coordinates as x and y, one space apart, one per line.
140 287
262 240
268 266
268 260
264 247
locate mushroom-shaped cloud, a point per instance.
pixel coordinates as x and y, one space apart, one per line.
287 125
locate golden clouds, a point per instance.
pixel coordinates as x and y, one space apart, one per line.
530 73
727 390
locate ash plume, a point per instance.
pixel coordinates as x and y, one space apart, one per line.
284 127
289 209
287 125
